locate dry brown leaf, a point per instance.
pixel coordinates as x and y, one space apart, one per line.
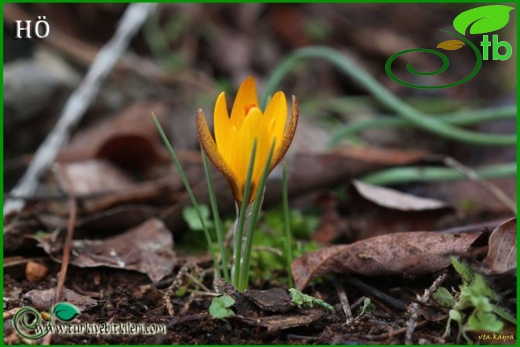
43 299
284 321
130 139
92 177
393 199
451 45
501 256
147 248
410 253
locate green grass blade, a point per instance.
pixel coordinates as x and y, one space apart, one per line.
188 190
433 174
466 118
287 229
216 217
384 96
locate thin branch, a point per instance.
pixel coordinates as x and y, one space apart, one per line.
413 309
474 176
78 103
344 302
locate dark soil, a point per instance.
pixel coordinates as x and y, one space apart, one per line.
129 297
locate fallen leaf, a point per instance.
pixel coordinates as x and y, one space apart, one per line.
130 139
393 199
43 299
306 172
103 185
92 177
501 256
451 45
275 300
147 248
410 253
285 321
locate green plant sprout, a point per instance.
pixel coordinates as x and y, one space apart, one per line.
367 308
474 295
220 307
300 299
191 217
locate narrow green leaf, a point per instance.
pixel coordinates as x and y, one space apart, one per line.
463 269
216 217
187 185
503 314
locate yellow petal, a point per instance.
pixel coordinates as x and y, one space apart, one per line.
254 127
276 117
288 135
245 99
209 146
223 128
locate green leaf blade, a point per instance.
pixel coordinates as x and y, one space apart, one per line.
443 297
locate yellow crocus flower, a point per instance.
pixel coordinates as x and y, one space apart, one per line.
231 150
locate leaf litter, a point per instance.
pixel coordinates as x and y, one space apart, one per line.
147 248
411 253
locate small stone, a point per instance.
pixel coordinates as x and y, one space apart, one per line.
35 272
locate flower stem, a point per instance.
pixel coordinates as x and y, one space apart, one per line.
253 214
238 226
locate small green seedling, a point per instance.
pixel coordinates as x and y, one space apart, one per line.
300 299
476 295
367 308
220 307
191 217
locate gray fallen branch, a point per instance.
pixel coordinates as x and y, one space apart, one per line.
79 101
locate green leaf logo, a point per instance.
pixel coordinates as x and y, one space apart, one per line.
65 311
483 19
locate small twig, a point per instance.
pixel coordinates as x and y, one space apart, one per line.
374 292
473 228
187 304
344 303
177 282
394 332
358 302
474 176
67 247
197 282
413 309
78 103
